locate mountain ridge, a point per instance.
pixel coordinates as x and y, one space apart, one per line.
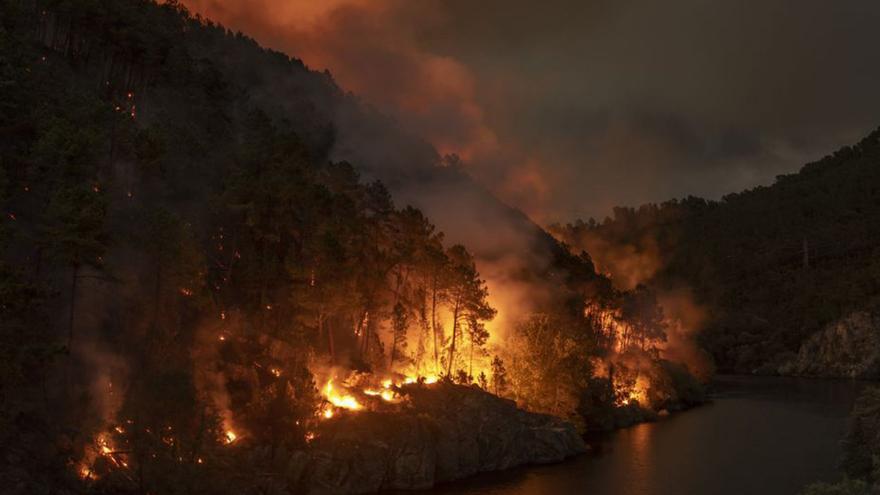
771 265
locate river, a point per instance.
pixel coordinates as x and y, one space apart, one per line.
761 436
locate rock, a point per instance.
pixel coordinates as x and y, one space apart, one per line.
847 348
296 467
443 433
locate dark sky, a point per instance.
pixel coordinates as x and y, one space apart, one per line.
566 108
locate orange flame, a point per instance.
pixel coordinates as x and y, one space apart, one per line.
230 436
344 401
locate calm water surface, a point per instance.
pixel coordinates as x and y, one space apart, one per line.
759 436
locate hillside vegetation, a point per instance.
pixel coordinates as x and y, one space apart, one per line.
770 266
200 270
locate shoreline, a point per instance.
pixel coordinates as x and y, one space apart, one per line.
590 439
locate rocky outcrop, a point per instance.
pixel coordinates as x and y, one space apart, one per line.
444 432
849 347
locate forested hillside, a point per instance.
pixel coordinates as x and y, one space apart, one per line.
770 266
199 267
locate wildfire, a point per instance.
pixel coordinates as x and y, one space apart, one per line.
344 401
410 379
353 393
104 448
386 394
230 436
638 394
85 472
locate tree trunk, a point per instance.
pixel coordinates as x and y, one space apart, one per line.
197 444
359 328
68 37
393 349
394 336
72 314
365 330
611 382
38 263
331 345
455 315
264 281
471 363
434 322
54 31
157 292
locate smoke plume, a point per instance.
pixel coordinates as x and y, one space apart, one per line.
568 110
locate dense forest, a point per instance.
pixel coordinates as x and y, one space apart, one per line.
770 266
189 273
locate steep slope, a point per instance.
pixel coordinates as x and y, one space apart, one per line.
512 252
186 264
771 266
443 433
142 54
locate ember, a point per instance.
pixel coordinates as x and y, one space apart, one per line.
230 436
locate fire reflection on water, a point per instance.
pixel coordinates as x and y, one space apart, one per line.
640 438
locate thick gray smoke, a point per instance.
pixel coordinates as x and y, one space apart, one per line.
504 241
568 109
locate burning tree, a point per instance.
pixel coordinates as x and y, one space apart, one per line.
641 319
468 297
550 363
478 335
499 376
399 324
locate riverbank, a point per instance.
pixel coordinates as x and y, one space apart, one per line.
444 432
757 435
